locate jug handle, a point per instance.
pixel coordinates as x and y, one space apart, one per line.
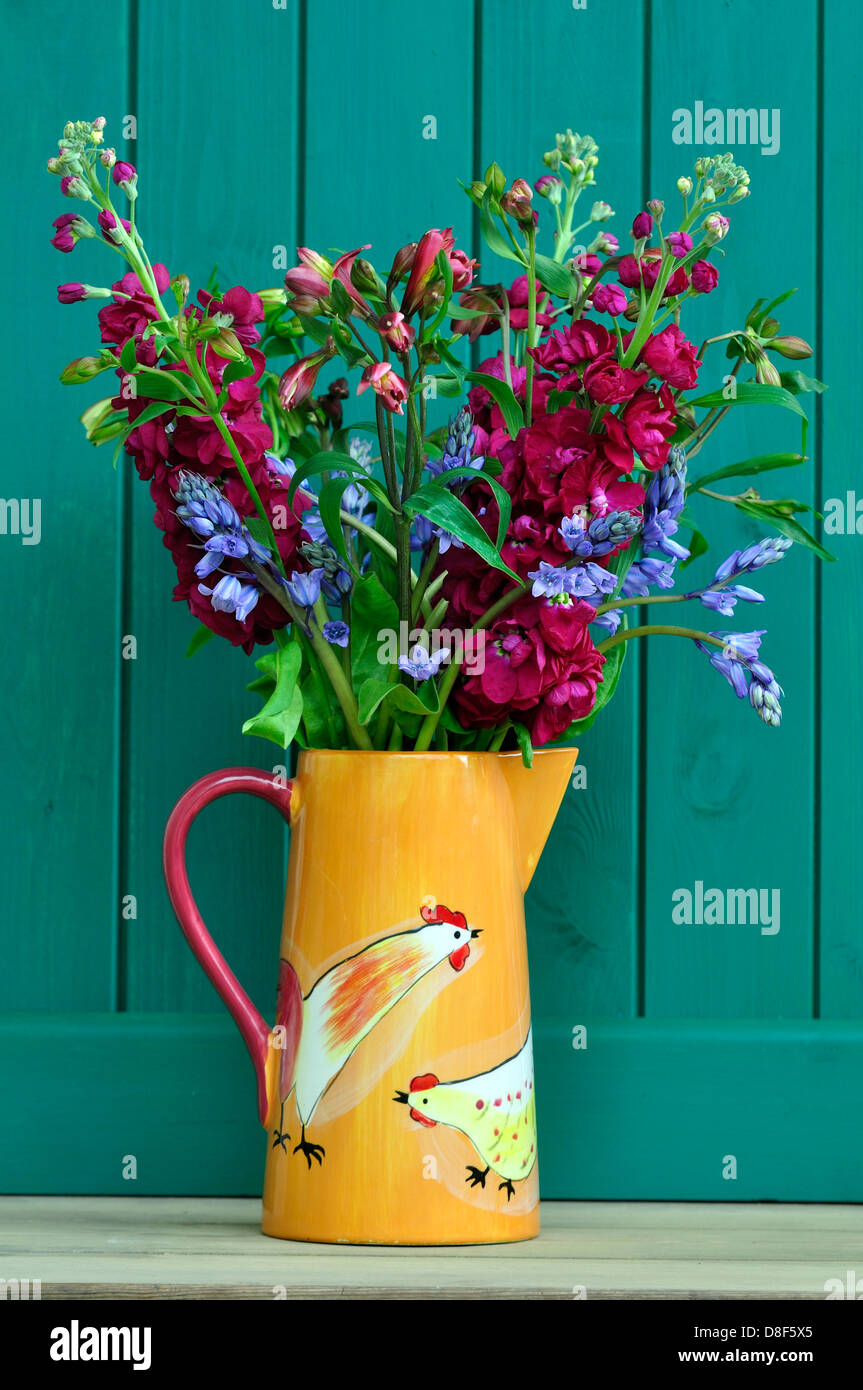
254 1030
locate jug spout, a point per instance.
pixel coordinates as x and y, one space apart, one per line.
536 794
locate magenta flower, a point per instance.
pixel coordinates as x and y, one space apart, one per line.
342 273
385 383
642 226
609 299
69 229
125 175
705 277
679 244
71 293
73 187
309 282
110 231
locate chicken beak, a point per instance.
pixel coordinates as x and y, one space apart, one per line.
475 931
401 1097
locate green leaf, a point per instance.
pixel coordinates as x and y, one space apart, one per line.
786 526
330 504
504 501
378 690
556 278
372 611
161 386
439 505
280 716
199 639
318 332
446 385
445 269
524 743
798 383
151 411
325 461
128 360
493 236
604 691
235 371
503 394
762 463
697 542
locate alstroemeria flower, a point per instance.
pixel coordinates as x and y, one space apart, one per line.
297 383
385 383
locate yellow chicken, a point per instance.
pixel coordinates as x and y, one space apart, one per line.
495 1110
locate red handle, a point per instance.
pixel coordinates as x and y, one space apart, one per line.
255 1032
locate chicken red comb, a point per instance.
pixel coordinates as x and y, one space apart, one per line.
443 914
424 1082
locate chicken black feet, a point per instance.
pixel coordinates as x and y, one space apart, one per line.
476 1176
310 1150
510 1190
279 1135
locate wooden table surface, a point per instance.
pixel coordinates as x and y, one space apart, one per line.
211 1248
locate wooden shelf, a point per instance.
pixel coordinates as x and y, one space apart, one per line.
211 1248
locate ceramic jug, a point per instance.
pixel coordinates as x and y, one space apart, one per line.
396 1080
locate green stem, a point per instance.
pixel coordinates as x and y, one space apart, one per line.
531 323
424 577
651 628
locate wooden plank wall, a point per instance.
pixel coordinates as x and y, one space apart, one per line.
262 126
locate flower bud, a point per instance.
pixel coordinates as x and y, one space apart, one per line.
600 212
99 123
631 311
700 168
271 299
402 264
180 287
642 226
108 157
73 187
765 371
716 226
227 344
684 186
495 179
708 195
475 191
82 369
795 348
54 165
364 277
552 160
739 194
125 176
656 207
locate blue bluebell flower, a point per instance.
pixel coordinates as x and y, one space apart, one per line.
720 595
337 633
305 589
737 660
420 664
230 595
646 574
663 504
458 448
592 540
579 581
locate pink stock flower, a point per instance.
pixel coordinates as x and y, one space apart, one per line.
648 420
518 294
705 277
71 293
132 308
108 224
642 226
241 307
69 229
679 244
386 384
672 357
609 299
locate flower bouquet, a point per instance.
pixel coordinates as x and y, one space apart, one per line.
472 585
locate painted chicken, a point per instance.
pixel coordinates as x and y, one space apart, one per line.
325 1027
496 1110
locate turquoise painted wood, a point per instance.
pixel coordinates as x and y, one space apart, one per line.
261 127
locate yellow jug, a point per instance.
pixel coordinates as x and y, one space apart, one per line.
396 1081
